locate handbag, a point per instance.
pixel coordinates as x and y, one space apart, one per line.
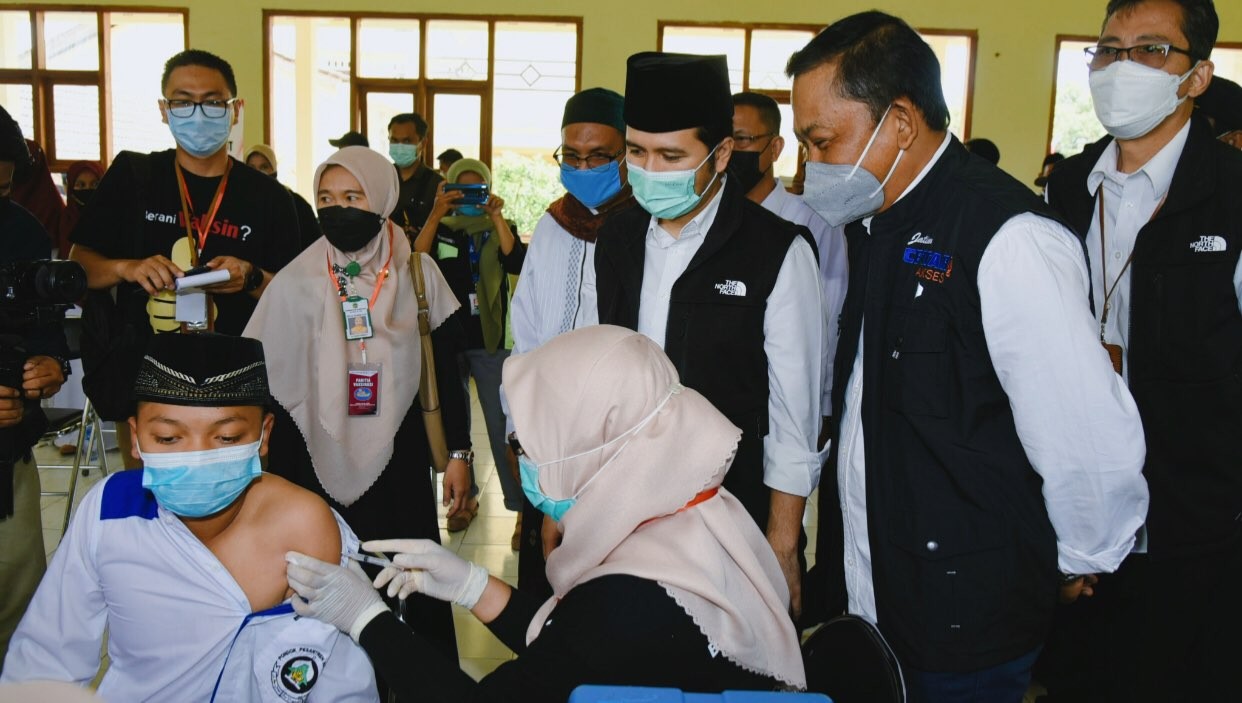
428 393
849 660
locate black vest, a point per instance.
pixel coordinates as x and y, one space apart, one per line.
1185 355
963 555
714 334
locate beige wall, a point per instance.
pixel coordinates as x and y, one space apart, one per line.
1014 70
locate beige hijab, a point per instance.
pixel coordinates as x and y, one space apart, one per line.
300 323
593 386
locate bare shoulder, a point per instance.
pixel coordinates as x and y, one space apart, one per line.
295 518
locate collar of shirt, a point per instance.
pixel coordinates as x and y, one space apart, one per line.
948 137
1158 170
696 227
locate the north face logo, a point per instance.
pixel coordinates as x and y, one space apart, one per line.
1209 243
736 288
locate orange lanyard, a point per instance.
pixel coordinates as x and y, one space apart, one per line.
379 281
698 498
187 209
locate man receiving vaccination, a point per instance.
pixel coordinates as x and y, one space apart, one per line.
183 561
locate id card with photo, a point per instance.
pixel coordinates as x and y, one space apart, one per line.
364 389
474 304
357 318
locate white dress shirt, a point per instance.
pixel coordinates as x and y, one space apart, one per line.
179 627
556 291
793 343
1074 416
833 268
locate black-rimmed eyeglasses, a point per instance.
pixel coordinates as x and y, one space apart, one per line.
593 160
210 108
1151 55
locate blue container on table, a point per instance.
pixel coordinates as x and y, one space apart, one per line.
630 694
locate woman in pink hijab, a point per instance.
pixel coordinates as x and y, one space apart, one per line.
661 578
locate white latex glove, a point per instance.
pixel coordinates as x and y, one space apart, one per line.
340 596
422 566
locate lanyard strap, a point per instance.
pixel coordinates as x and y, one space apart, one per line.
187 209
1109 290
475 254
379 281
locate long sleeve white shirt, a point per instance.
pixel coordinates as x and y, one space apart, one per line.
179 626
556 291
833 268
795 334
1074 416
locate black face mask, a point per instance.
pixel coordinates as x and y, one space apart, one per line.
744 166
83 196
349 228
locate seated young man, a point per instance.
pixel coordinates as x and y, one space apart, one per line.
183 561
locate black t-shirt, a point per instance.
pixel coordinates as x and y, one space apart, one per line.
256 222
416 198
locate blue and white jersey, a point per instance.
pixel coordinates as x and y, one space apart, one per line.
179 626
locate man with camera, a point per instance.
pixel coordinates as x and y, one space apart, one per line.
32 367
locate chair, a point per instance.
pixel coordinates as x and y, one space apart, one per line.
90 439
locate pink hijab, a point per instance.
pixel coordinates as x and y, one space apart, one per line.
587 388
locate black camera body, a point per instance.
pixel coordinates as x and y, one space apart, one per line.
33 295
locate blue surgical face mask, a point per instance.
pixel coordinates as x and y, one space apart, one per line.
404 155
201 483
594 186
555 508
668 194
199 135
842 194
470 210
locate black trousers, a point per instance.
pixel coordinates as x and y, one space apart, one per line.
1157 630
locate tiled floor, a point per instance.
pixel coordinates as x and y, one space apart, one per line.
485 542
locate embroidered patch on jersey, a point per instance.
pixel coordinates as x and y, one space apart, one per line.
920 238
1209 243
734 288
296 672
931 266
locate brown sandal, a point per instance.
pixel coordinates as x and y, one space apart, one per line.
462 518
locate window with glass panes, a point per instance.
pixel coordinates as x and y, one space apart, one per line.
757 54
494 88
58 70
1073 124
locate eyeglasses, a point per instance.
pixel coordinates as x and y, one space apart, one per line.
210 108
593 160
1150 55
744 142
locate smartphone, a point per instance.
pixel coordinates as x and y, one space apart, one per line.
471 193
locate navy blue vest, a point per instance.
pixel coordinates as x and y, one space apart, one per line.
963 554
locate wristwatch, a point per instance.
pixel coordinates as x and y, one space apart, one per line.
515 445
1067 579
466 455
254 279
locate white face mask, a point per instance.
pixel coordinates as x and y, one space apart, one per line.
1132 99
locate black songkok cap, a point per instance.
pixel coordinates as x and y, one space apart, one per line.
203 370
671 92
598 105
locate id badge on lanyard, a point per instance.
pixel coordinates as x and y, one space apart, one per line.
357 318
362 379
475 256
